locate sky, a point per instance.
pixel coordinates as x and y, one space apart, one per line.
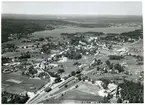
72 7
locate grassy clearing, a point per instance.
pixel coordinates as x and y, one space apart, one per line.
132 68
11 54
105 76
88 88
79 95
23 86
74 96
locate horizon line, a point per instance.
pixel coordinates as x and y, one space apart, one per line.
72 14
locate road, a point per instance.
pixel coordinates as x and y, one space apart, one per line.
41 95
41 92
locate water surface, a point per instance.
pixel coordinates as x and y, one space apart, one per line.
57 32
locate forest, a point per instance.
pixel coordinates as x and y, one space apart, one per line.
9 98
21 28
132 91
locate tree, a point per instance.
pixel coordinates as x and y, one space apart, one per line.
105 83
93 81
9 98
32 70
58 79
79 78
99 62
17 99
132 91
4 100
111 66
89 79
78 72
5 60
73 55
73 73
23 73
98 68
66 86
119 100
109 96
108 62
110 47
46 49
134 99
66 77
26 97
60 71
115 57
77 63
105 70
41 39
118 67
76 86
25 55
105 100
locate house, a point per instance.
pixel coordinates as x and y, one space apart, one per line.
62 59
99 84
124 64
31 94
92 38
7 71
53 65
82 43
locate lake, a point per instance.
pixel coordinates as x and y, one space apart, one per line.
57 32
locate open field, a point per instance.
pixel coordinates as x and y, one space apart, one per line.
25 84
11 54
88 88
74 96
79 95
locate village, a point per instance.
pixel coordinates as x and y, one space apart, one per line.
88 56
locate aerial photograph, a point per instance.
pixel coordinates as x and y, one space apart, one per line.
72 52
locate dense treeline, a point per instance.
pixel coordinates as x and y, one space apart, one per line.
21 28
5 60
133 34
115 57
94 25
116 66
25 55
119 67
46 48
125 36
9 98
8 48
69 35
132 91
73 55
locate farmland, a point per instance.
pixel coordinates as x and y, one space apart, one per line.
24 84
